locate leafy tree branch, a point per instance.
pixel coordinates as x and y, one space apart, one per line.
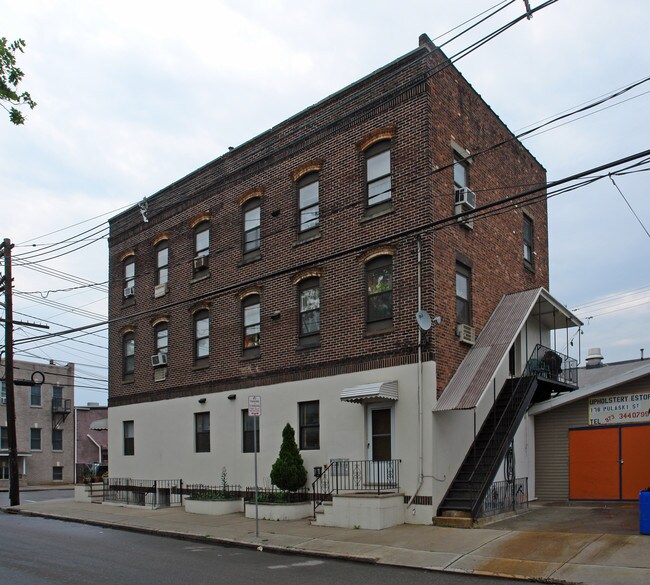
10 77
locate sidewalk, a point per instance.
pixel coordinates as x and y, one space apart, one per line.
589 557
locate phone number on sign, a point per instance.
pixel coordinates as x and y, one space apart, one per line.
627 416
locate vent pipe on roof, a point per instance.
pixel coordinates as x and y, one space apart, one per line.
594 357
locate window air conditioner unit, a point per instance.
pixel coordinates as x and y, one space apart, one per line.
159 359
129 291
160 290
465 197
466 333
201 262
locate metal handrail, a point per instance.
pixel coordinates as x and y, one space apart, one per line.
343 475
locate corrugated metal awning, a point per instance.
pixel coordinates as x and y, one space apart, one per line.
494 342
370 392
100 424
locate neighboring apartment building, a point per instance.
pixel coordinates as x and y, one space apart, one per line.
44 427
292 268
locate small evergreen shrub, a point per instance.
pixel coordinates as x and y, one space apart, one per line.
288 472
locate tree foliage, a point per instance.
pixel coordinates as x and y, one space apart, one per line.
288 472
10 77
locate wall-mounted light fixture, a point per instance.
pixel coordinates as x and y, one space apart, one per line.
202 400
275 315
232 396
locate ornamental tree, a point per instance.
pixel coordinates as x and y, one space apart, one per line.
288 472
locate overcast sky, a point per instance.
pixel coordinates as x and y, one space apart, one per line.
133 95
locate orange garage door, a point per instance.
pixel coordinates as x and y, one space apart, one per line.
635 456
609 463
594 464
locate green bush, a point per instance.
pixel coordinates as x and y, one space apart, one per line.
288 472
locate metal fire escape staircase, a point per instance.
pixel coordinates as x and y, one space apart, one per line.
481 464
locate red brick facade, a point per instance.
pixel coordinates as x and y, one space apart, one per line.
425 113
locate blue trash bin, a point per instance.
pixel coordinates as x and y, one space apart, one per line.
644 511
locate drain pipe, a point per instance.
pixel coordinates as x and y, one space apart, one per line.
99 459
420 431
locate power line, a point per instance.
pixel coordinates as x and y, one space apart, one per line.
628 204
434 225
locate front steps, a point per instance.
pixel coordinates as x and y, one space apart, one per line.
362 510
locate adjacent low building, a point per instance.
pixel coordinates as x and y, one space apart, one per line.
44 395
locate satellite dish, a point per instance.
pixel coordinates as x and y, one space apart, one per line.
423 319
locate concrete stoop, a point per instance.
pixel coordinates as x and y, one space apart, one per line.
361 510
90 492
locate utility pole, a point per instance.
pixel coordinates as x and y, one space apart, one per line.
14 492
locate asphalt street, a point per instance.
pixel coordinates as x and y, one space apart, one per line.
41 551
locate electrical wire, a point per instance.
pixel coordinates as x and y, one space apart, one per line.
510 202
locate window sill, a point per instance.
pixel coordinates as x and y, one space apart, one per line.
380 331
305 237
35 406
199 276
312 345
250 257
250 354
380 210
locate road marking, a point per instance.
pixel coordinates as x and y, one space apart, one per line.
303 564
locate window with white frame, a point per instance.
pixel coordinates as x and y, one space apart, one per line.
129 276
201 335
252 324
308 202
162 262
251 227
309 304
463 294
161 337
128 356
378 173
128 429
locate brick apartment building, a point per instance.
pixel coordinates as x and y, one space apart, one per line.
44 429
292 268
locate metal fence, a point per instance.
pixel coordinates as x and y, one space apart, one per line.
154 493
273 495
200 491
505 496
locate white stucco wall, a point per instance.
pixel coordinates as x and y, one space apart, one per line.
164 430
